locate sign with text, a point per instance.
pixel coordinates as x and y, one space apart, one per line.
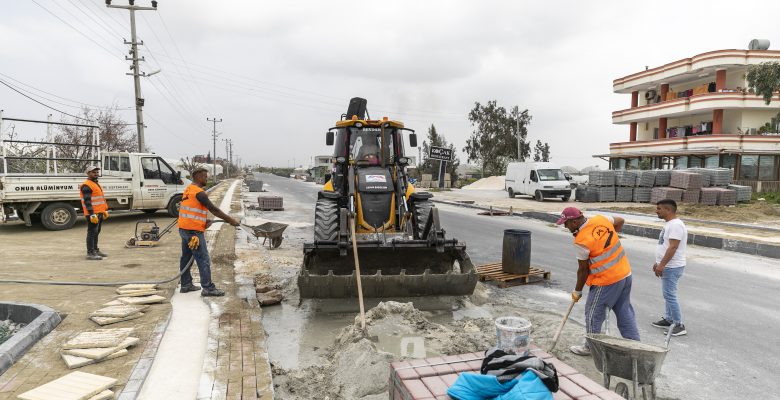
440 153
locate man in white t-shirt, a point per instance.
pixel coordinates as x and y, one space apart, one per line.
670 263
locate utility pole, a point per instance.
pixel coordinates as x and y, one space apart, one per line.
214 140
228 146
137 74
231 153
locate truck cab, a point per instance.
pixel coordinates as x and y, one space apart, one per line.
540 180
153 181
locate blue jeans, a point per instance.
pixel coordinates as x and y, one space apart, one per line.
669 287
616 297
201 254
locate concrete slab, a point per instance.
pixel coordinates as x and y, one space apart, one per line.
102 321
74 386
101 352
103 338
77 362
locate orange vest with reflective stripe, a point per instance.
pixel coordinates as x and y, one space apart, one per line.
99 203
192 214
608 261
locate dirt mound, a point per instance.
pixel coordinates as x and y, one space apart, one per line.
489 183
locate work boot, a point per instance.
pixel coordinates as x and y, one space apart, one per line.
101 254
213 292
580 350
189 288
93 257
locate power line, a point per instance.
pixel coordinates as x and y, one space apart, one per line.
76 29
42 103
81 104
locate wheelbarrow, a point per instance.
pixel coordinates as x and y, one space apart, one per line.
269 231
635 361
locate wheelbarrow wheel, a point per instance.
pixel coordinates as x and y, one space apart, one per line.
276 242
622 390
130 242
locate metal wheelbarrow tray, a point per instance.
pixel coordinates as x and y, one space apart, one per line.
269 230
628 359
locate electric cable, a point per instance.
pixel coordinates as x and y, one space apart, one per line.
43 104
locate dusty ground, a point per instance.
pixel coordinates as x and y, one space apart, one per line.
315 350
38 254
756 212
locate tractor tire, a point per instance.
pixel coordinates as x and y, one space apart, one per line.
58 216
510 192
173 206
539 196
421 210
326 220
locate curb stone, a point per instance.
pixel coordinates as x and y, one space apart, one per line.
715 242
40 321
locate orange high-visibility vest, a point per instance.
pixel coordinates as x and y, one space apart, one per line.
608 261
192 214
99 203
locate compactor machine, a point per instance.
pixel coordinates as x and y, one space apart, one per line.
401 245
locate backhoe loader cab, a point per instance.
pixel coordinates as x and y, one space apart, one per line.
400 241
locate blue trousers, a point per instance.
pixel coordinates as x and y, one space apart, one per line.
616 297
669 287
201 254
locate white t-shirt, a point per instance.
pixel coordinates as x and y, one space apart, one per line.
583 252
673 229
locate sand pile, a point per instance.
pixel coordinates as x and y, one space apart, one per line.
360 370
489 183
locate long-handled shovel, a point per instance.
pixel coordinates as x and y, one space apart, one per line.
357 271
560 327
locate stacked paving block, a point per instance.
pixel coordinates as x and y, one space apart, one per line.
726 197
642 194
744 193
709 196
74 386
586 194
646 179
686 180
663 177
706 176
660 193
624 194
601 178
606 193
625 178
720 176
691 196
96 346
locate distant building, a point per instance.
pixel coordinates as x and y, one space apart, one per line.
697 112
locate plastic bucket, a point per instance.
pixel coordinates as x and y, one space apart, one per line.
516 252
513 334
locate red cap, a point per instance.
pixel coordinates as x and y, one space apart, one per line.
569 213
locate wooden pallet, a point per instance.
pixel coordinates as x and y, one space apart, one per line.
493 272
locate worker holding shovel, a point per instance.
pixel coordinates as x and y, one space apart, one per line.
604 267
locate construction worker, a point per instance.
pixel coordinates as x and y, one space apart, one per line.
193 221
95 209
604 267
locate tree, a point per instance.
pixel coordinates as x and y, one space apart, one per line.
112 131
541 151
494 140
429 166
190 165
764 79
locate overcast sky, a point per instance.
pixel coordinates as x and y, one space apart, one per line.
280 73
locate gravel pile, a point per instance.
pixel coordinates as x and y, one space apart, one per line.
660 193
601 178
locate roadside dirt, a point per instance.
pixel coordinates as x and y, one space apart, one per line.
756 212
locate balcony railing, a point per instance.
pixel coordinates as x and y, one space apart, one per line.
695 103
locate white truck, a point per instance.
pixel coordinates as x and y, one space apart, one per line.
131 181
538 179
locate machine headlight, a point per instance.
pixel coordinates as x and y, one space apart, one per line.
403 161
341 160
358 125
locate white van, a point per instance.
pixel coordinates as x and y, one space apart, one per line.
538 179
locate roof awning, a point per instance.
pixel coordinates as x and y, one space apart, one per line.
685 152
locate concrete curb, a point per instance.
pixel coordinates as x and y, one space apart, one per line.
715 242
703 221
40 321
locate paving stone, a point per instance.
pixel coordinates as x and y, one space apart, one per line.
112 320
116 311
137 286
77 362
104 395
572 389
137 293
103 338
142 300
74 386
101 353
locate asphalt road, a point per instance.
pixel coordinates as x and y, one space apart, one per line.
728 300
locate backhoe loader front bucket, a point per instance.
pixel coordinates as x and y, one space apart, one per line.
408 268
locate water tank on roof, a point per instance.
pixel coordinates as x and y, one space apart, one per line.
759 44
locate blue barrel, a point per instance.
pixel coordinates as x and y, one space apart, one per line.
516 253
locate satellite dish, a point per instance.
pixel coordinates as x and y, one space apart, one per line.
759 44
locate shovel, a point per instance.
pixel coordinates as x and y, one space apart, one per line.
560 327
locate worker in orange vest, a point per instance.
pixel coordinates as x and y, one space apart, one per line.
95 208
193 221
604 267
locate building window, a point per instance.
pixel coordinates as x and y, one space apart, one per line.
766 168
633 163
681 162
667 163
728 161
748 167
695 162
711 161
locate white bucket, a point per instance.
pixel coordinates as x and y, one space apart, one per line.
513 334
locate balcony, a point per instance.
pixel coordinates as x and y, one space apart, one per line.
706 144
696 104
690 68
